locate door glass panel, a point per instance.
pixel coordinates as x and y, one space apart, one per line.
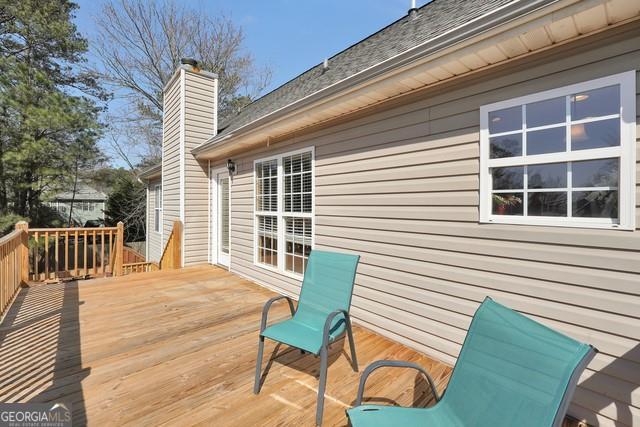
224 215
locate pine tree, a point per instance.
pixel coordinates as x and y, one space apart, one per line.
48 106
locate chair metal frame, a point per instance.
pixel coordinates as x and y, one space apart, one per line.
323 352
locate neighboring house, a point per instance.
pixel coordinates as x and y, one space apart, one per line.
88 205
471 148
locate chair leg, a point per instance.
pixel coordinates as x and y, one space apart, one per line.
352 346
256 385
324 354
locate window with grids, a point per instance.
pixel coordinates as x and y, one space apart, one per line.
266 176
157 208
284 211
298 195
563 157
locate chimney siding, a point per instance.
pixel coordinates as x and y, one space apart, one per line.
190 118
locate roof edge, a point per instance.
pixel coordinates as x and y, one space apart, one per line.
445 40
151 172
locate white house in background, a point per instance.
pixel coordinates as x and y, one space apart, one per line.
88 205
471 148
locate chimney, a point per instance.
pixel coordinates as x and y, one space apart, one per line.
189 119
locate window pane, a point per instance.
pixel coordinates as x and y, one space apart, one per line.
552 140
595 173
603 133
297 183
595 103
267 234
548 203
595 204
547 112
507 204
508 178
551 175
505 120
505 146
298 243
266 185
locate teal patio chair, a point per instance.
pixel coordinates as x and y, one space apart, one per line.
322 315
511 371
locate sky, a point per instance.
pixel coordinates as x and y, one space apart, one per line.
286 35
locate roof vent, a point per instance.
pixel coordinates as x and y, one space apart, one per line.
325 65
413 12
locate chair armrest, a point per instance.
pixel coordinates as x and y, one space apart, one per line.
267 306
327 324
393 364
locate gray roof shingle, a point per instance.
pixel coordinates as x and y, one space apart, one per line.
432 20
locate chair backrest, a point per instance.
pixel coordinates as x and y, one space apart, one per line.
328 282
513 370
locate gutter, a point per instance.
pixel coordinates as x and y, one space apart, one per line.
445 40
150 172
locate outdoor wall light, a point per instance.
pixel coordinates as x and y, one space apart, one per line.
231 167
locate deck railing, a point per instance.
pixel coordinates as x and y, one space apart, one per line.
53 254
172 253
13 256
59 253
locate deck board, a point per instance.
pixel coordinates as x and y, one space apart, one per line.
178 348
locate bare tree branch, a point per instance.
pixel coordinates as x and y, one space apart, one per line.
141 42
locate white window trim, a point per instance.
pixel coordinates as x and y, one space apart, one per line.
280 214
157 226
626 152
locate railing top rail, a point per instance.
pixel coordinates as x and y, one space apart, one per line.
15 234
41 230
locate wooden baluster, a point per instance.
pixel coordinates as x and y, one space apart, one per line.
84 266
66 251
119 249
76 239
57 267
36 257
102 252
95 252
24 252
46 255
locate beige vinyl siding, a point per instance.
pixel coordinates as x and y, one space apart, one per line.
171 159
400 188
155 239
200 98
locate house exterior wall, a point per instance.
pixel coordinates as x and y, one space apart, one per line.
83 210
400 187
155 246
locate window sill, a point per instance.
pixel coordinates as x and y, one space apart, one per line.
277 270
551 222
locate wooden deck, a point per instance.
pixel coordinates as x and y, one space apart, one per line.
178 347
